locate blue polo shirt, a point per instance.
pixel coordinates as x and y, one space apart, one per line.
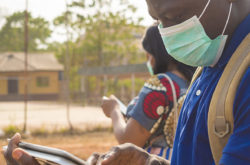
191 146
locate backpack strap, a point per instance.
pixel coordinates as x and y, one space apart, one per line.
172 119
169 133
196 74
220 114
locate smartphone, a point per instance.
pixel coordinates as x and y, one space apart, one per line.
50 156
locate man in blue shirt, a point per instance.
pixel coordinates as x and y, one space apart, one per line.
191 144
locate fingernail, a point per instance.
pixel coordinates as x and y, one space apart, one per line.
17 154
17 134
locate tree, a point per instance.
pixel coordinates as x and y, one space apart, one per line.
106 35
12 33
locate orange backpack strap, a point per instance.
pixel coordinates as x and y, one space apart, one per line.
220 115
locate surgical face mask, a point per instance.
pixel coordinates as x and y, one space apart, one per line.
150 68
188 42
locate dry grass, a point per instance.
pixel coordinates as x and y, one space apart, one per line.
79 145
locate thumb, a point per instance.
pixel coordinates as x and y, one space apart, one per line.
23 158
112 97
14 141
92 160
109 158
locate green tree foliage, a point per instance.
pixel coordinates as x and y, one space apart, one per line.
105 37
12 32
106 33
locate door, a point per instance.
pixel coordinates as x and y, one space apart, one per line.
12 86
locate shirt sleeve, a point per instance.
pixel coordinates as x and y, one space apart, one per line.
237 150
149 107
131 104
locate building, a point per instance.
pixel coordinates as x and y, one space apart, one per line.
44 76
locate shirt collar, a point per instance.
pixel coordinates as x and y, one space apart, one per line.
240 33
181 82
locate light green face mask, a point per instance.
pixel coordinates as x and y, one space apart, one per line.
188 42
150 69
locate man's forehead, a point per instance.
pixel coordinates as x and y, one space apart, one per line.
171 12
159 6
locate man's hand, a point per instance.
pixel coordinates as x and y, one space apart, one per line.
16 156
109 105
129 154
94 158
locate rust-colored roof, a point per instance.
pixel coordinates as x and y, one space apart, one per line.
14 62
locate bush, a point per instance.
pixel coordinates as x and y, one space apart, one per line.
10 130
42 131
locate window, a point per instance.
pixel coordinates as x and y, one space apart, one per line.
60 75
42 81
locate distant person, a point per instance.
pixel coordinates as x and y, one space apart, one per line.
151 115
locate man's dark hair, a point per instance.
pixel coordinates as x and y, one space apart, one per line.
153 44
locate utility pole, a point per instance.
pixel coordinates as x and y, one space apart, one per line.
26 45
67 67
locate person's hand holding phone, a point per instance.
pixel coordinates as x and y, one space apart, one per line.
16 156
109 104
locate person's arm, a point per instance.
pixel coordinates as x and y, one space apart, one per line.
130 132
16 156
128 154
123 155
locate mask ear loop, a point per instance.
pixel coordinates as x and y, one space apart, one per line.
208 2
228 17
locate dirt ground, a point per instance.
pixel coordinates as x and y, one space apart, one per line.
79 145
51 115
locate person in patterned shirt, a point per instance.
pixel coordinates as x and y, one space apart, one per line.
151 115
